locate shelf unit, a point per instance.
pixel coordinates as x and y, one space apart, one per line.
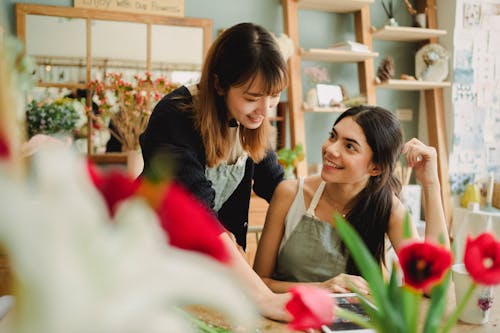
406 34
335 55
412 85
336 6
433 94
306 108
364 60
365 34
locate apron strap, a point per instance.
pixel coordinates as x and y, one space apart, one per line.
315 199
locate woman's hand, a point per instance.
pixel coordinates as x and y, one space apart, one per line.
345 283
423 160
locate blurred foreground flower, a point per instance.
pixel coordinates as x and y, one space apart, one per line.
310 308
77 272
482 259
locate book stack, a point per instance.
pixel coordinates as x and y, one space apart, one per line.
350 46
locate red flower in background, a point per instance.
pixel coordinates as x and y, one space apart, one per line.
190 225
310 308
186 221
4 148
482 259
424 264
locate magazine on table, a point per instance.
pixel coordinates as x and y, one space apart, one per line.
351 302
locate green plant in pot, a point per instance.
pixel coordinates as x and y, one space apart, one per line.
290 158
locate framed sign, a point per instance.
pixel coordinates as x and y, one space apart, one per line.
152 7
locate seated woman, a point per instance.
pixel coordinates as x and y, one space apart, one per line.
300 245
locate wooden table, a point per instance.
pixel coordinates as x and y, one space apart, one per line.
269 326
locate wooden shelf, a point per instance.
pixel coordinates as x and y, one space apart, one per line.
337 6
109 158
322 109
408 34
61 85
335 55
412 85
277 118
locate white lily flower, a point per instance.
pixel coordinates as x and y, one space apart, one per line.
77 271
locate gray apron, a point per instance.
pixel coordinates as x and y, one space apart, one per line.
313 252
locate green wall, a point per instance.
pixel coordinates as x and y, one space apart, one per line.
316 29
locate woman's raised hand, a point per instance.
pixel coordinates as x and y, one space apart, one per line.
345 283
423 160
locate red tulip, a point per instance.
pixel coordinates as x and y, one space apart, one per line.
310 308
4 148
115 186
424 264
482 259
190 225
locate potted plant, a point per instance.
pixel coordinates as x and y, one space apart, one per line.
290 158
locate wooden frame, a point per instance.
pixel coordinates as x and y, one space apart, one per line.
22 10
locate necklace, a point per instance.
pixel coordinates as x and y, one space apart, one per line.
331 202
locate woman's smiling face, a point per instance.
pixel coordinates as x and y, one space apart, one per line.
248 104
347 157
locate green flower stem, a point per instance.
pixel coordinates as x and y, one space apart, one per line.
351 316
454 317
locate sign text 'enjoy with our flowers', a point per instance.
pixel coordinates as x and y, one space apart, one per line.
154 7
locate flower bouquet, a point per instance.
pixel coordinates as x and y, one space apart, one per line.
394 308
60 116
128 105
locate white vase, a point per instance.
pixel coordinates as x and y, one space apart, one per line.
135 163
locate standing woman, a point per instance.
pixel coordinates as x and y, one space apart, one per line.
218 135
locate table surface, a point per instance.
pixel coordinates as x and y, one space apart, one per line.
269 326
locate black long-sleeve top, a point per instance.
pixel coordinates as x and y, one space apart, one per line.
171 130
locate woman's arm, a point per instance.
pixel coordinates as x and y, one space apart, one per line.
268 173
423 160
270 305
272 234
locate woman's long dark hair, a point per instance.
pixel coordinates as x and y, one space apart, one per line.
370 210
236 57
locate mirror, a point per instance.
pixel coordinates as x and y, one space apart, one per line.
73 46
111 53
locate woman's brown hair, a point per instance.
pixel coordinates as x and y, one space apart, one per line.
370 210
234 59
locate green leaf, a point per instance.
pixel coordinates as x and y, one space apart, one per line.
386 314
394 293
411 308
437 306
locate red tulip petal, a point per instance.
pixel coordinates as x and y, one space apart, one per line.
190 225
4 148
115 186
482 259
310 307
